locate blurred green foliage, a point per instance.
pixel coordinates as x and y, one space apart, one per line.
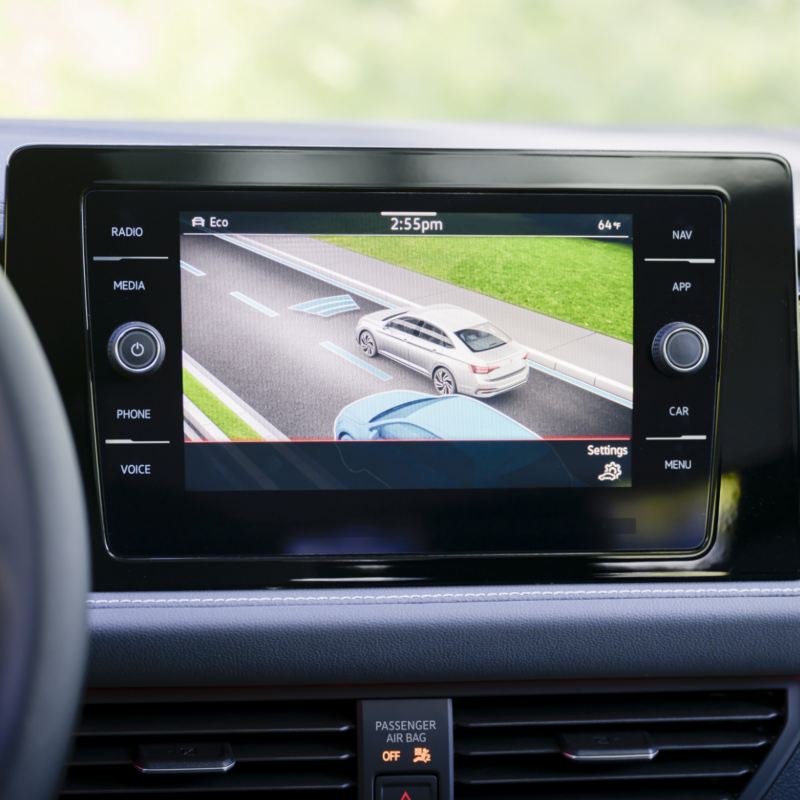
711 62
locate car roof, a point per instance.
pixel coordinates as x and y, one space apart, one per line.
447 316
456 417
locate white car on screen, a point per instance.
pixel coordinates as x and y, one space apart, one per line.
458 350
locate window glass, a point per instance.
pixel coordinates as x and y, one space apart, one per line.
402 327
403 430
482 337
615 62
414 327
436 335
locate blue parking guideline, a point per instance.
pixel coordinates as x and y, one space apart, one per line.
327 306
356 361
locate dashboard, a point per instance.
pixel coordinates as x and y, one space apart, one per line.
428 439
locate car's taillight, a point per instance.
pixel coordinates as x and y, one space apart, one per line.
481 370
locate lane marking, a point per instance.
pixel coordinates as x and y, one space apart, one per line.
560 366
327 306
229 398
192 270
356 361
130 258
313 270
614 398
248 301
207 430
687 437
189 433
685 260
137 441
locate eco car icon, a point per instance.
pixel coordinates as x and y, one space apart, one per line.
458 350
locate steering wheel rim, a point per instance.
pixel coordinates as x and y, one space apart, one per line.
43 566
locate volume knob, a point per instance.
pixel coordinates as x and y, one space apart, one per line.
136 348
680 349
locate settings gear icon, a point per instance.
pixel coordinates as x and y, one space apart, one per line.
611 472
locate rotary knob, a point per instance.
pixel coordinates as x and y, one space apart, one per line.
680 349
136 348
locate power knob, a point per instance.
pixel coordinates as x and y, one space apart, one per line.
136 348
680 349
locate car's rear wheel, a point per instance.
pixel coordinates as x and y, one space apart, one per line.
443 381
366 341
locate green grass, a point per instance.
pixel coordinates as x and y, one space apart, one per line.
585 282
225 419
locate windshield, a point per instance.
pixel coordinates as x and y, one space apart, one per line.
683 62
482 337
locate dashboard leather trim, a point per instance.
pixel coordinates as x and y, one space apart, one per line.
170 600
291 638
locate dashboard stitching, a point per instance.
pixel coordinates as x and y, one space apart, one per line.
470 596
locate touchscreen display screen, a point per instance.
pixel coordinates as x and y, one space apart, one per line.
389 372
406 349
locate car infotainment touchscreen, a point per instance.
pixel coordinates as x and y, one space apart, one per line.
356 373
406 348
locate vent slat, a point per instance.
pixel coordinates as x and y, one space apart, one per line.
709 740
505 745
113 781
287 752
301 750
101 754
615 712
616 772
700 745
154 721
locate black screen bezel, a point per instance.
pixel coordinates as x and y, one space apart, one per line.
761 541
160 520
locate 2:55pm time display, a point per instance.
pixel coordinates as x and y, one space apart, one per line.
413 222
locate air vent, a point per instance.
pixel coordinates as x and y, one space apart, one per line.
214 748
660 746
